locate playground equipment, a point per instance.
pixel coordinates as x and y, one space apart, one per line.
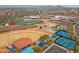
11 48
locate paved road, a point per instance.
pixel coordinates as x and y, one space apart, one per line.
56 49
76 29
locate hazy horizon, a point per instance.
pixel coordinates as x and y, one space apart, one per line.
19 6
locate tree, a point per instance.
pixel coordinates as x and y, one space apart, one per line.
49 42
42 38
76 48
36 49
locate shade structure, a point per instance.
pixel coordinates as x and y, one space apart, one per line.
41 43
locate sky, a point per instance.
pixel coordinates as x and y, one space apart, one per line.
39 2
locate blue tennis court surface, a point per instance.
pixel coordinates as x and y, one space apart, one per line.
69 44
61 40
64 34
54 35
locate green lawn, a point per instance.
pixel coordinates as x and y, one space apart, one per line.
27 22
